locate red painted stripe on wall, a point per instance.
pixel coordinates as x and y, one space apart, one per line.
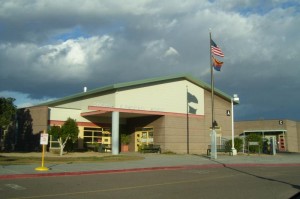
86 124
122 110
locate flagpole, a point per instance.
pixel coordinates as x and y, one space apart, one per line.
187 122
213 154
212 84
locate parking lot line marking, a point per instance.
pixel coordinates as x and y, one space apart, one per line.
15 187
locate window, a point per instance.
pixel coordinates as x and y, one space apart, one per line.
96 135
54 142
143 136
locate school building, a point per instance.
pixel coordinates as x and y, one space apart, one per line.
173 112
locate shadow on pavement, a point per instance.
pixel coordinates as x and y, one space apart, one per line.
296 196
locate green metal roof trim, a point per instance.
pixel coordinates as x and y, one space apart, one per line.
126 85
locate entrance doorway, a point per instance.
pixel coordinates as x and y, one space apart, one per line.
270 138
143 136
278 135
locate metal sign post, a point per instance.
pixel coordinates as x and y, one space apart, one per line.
44 143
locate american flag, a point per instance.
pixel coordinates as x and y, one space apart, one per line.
215 49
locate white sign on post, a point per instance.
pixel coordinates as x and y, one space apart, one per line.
44 139
253 143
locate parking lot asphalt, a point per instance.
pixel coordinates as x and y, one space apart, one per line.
148 162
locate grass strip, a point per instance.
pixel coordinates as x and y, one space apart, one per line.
17 160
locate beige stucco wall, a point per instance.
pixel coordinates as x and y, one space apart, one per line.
242 126
107 100
176 134
62 114
165 97
291 129
176 128
291 136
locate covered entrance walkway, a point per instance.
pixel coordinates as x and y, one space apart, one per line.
278 135
118 117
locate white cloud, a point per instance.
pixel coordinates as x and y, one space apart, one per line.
171 52
52 61
155 48
166 25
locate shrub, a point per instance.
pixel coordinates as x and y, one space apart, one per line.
238 144
71 146
253 137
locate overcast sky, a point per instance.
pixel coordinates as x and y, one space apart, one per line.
51 49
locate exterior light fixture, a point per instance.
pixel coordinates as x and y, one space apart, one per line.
234 99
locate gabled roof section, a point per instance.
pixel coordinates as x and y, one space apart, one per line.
138 83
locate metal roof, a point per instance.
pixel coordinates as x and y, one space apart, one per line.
133 84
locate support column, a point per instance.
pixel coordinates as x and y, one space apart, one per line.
233 150
115 132
213 147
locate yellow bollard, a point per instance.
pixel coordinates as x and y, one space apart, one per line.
44 142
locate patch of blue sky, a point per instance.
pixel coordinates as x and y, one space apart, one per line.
79 31
290 3
75 33
263 8
23 99
259 9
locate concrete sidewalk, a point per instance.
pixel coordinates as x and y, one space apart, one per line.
150 162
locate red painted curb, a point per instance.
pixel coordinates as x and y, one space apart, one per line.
75 173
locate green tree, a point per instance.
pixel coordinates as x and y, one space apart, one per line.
7 117
238 144
68 131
